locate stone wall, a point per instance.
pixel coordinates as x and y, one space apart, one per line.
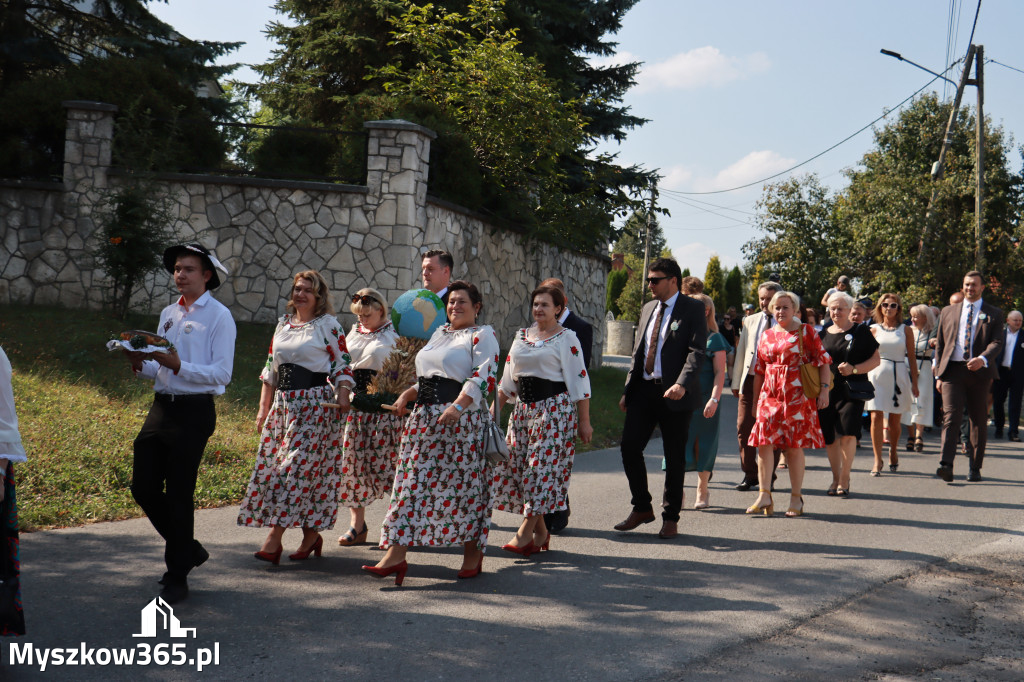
266 230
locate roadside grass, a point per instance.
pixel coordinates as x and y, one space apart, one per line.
80 408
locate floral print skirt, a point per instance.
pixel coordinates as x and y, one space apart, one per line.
298 465
441 493
371 450
535 480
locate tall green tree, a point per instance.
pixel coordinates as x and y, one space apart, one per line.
734 288
714 283
633 232
885 205
802 241
617 280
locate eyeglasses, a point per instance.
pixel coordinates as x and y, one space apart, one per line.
655 280
889 305
365 300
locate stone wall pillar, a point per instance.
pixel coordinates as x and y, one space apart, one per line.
397 168
88 139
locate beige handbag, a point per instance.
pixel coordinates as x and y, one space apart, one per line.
810 374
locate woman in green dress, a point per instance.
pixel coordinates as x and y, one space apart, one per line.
702 442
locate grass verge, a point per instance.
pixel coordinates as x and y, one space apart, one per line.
80 408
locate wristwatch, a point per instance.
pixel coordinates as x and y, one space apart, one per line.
855 369
714 400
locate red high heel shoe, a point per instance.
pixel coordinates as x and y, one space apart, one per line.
272 557
524 551
316 548
474 572
398 569
546 545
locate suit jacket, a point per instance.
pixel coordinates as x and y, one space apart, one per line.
746 349
1016 358
987 342
584 332
681 354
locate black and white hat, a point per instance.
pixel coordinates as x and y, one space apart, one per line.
171 255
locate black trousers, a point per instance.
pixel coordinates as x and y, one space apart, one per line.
647 409
168 450
1002 387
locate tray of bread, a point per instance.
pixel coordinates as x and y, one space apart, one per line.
140 341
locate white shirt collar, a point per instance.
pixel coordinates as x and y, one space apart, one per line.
671 302
201 301
564 316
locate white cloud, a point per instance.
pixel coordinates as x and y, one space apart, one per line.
750 168
700 67
617 59
693 256
675 177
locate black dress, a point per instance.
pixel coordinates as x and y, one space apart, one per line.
843 415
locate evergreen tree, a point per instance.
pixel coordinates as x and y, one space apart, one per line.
617 280
714 283
631 236
734 289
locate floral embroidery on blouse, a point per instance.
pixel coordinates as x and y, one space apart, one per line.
344 370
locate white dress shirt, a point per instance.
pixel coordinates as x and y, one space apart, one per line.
1011 342
764 323
958 348
204 336
665 319
10 438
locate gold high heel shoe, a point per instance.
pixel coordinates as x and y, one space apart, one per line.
766 510
793 511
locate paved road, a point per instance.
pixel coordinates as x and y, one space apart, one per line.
910 578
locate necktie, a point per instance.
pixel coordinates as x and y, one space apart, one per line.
652 347
967 331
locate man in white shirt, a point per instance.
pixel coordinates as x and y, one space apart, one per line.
969 346
743 383
436 271
1011 378
170 445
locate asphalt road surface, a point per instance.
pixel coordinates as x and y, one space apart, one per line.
908 579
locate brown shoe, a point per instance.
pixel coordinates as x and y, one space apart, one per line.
635 519
669 529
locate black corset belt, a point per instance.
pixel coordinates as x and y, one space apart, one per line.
363 378
291 377
535 389
437 390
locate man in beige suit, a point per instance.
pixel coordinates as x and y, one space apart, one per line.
968 351
743 383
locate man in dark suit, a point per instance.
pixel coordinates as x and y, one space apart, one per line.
1011 377
557 521
969 349
436 271
662 389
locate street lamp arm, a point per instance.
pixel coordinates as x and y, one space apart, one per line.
897 55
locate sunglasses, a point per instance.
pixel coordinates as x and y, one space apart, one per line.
365 300
890 305
655 280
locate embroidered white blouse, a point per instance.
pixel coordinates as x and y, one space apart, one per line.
317 345
369 349
468 355
556 359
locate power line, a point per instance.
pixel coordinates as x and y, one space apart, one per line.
975 24
1005 66
837 144
670 192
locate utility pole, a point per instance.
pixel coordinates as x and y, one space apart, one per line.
979 202
647 249
939 166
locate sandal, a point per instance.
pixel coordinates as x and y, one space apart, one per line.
843 492
910 445
832 490
351 537
919 445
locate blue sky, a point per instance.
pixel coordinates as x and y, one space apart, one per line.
737 91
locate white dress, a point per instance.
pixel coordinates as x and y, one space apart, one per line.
542 435
371 438
891 379
921 411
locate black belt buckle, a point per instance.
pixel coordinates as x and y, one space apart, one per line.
657 381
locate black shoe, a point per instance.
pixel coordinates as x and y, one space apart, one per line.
974 476
746 485
557 521
199 557
174 593
1014 438
945 473
999 433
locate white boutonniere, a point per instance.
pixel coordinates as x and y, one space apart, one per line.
982 316
848 337
674 326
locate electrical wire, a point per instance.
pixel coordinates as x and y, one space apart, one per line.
1005 66
822 153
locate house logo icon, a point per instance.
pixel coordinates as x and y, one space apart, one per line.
159 616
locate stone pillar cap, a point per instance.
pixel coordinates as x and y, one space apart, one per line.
399 124
87 105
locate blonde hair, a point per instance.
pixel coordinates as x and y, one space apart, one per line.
924 311
358 307
878 316
793 298
320 292
709 310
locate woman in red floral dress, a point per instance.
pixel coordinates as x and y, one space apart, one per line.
545 375
441 495
298 467
786 418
